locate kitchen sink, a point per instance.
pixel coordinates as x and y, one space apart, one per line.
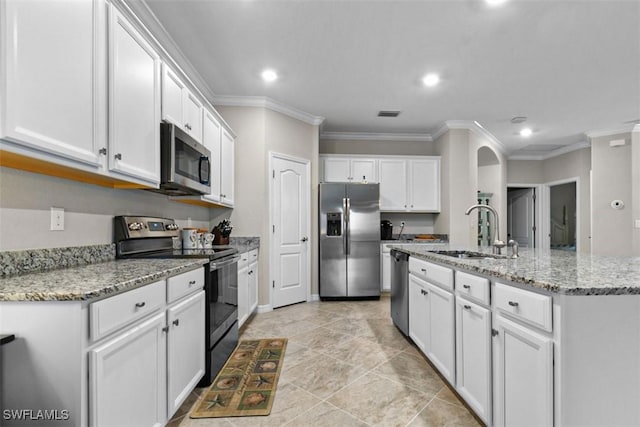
468 254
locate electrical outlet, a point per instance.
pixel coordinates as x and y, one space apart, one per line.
401 223
57 219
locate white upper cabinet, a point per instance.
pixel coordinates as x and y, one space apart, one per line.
393 184
180 106
424 185
211 138
348 169
53 65
227 168
134 102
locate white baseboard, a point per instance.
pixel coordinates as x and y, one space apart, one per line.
314 297
264 308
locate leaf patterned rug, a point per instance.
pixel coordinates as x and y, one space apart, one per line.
246 385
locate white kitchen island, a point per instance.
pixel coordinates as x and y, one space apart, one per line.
546 339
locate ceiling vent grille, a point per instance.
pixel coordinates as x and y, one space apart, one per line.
388 113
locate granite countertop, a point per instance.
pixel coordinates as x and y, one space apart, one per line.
92 281
244 244
556 271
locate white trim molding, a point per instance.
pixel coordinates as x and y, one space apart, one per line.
264 308
555 153
266 102
314 297
367 136
474 127
632 127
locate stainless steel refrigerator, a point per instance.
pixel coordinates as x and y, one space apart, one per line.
349 240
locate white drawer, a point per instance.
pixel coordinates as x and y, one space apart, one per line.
473 287
253 256
244 260
111 314
433 273
184 284
528 306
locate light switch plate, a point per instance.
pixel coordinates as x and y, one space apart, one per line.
57 219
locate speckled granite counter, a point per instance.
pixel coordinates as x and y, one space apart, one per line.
91 281
556 271
244 244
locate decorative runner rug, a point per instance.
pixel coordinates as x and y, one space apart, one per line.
246 385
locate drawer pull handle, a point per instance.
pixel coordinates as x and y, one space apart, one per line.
192 282
176 322
468 307
423 270
513 303
140 304
466 286
165 329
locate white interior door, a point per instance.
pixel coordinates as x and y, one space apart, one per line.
290 198
520 211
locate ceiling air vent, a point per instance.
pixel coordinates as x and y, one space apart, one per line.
388 113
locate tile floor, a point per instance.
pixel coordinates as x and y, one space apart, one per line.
346 364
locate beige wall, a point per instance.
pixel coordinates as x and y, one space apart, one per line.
400 148
525 172
259 132
26 199
612 228
635 187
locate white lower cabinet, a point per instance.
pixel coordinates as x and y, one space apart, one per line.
243 288
185 349
253 281
127 377
385 268
473 356
431 324
523 375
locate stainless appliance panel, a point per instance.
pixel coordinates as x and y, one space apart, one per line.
363 269
400 290
364 212
333 268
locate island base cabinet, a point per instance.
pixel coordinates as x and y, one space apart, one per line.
185 349
441 344
473 356
128 377
418 312
523 376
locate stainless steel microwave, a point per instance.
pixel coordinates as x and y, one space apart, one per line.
185 166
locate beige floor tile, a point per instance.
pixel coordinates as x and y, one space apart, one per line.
363 352
379 401
448 396
320 339
323 375
412 371
289 329
442 414
326 415
205 422
296 354
290 402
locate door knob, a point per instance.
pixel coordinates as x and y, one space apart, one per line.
304 239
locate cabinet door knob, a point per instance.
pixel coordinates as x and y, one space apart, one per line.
140 304
468 307
424 270
102 151
513 303
304 239
192 282
466 286
165 329
411 205
118 156
176 322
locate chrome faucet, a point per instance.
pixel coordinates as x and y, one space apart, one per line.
496 242
514 248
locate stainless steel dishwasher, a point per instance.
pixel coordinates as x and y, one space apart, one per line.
400 290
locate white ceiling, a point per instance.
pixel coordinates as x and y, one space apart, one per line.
570 66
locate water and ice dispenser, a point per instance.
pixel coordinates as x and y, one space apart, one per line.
334 223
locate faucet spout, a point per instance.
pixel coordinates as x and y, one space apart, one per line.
495 238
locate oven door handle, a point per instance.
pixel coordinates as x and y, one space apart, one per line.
216 265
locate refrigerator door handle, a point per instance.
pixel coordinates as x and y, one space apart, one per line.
348 229
345 225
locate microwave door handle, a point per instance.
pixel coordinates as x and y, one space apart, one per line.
204 181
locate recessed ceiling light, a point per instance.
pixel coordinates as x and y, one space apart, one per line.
431 79
495 2
269 75
518 119
526 132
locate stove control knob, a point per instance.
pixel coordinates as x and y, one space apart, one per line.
172 226
135 226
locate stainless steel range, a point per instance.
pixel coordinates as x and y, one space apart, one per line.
148 237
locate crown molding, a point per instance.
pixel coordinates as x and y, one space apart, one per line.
172 52
632 127
474 127
372 136
271 104
555 153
